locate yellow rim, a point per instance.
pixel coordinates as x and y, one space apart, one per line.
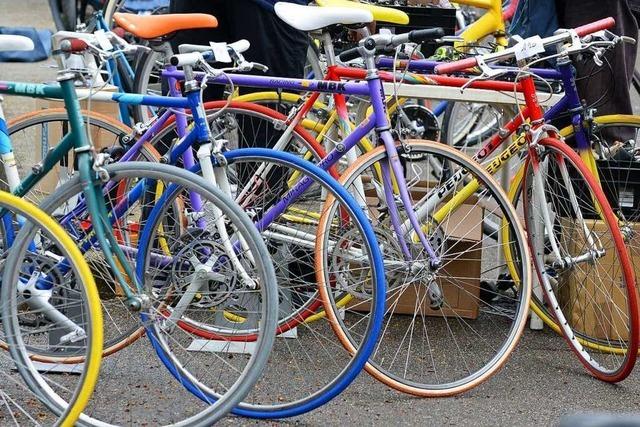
94 357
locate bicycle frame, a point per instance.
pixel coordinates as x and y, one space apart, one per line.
76 139
377 121
491 22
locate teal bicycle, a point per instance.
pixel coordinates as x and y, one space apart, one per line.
100 208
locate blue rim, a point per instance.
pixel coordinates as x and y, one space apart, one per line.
377 313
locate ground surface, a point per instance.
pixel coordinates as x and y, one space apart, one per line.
541 383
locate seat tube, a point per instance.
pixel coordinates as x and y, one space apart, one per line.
574 105
383 130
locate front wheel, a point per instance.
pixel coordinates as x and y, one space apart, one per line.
433 343
172 213
308 367
64 312
581 260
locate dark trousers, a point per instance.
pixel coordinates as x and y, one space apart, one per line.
614 83
273 43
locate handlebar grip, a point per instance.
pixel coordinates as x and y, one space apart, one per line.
603 24
73 45
191 58
189 48
419 36
450 67
349 54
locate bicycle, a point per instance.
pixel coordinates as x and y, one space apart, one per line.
82 208
192 55
244 331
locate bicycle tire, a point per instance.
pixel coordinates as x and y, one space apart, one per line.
600 124
182 179
576 291
68 411
426 379
283 406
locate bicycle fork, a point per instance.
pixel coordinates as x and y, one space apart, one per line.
561 262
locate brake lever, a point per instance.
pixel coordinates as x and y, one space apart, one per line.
486 73
598 53
627 39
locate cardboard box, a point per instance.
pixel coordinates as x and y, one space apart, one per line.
595 307
49 136
459 278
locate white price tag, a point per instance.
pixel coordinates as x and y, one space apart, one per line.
103 40
529 47
220 52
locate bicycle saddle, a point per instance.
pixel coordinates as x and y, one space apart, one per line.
10 42
309 18
380 13
155 26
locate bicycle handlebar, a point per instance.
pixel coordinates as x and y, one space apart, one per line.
581 31
349 54
239 46
602 24
73 45
386 41
190 54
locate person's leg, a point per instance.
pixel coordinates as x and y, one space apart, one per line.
216 8
273 43
612 84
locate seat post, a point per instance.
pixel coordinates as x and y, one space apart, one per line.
328 47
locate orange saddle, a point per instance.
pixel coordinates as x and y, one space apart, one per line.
154 26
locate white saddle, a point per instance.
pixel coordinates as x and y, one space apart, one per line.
309 18
9 42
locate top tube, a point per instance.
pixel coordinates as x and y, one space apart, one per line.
427 65
301 85
31 90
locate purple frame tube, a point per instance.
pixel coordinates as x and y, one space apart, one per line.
300 85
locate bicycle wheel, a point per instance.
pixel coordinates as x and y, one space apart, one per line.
46 128
64 307
445 331
308 367
156 188
581 260
613 139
